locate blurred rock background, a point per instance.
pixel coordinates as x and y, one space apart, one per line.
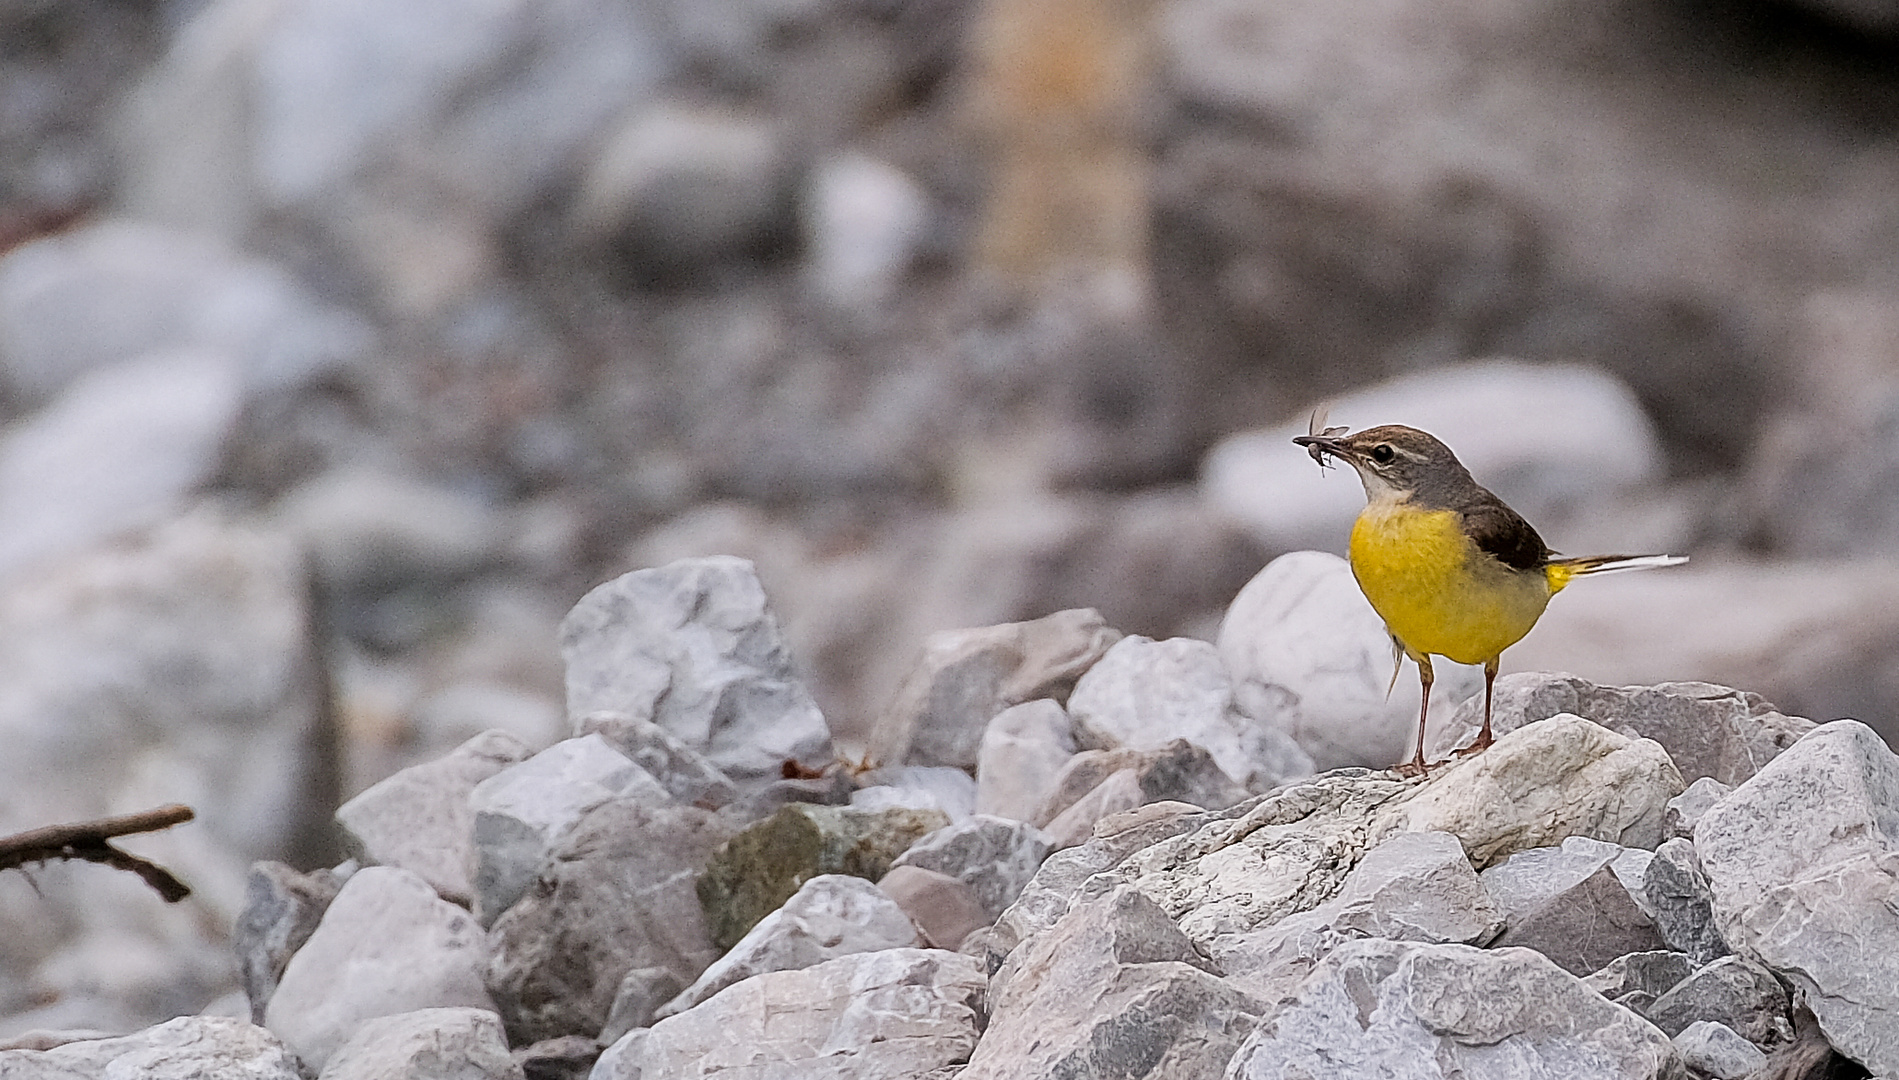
344 345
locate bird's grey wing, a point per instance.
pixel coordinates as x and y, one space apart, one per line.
1503 534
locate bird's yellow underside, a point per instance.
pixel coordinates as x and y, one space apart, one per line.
1437 591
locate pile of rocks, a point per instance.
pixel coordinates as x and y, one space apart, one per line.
1078 856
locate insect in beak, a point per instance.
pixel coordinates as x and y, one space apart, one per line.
1316 429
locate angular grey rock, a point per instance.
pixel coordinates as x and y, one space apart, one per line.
1063 875
281 910
521 812
420 818
1290 850
1734 991
1590 781
1390 1009
694 647
617 894
679 768
754 873
965 677
1715 1050
569 1057
920 787
1143 694
944 909
1412 887
994 856
1530 879
1685 809
1177 770
1584 926
1119 793
1802 856
1680 903
187 1048
1113 989
642 991
1653 973
451 1044
831 915
1707 730
386 945
1309 657
867 1016
1023 748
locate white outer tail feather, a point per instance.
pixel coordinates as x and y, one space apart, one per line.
1633 562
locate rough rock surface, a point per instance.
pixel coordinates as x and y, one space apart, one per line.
946 911
1399 1009
1292 848
1143 694
1584 926
1800 857
420 818
281 910
830 915
1733 991
426 1043
522 811
966 677
1412 887
1113 989
868 1016
616 895
760 868
694 647
1309 656
994 856
1529 879
682 771
1178 771
386 945
1707 730
188 1048
1023 749
1653 973
1716 1050
1685 810
1680 902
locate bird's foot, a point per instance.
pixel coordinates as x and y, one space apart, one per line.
1481 744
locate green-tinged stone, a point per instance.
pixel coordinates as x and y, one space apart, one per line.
755 872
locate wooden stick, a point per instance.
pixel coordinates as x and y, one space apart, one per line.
86 840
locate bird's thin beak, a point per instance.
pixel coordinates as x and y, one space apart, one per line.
1320 445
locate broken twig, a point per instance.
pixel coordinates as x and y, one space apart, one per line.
86 840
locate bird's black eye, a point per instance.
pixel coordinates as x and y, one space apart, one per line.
1383 453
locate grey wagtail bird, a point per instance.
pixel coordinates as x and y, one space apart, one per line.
1452 570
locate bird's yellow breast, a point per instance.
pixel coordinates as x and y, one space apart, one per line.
1436 590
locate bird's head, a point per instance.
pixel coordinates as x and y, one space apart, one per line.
1395 462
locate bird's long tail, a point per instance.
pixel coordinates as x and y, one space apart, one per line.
1562 570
